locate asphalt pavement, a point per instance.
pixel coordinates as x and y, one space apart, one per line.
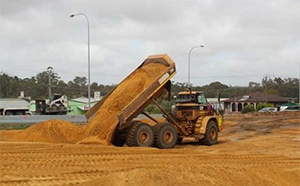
40 118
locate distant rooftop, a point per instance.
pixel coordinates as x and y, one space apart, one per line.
85 100
216 99
257 97
13 103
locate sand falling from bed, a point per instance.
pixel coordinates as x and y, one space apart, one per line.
100 129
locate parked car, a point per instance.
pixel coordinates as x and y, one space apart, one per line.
268 109
289 108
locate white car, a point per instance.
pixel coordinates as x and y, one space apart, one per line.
268 109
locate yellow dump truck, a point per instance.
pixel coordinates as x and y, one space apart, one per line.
191 116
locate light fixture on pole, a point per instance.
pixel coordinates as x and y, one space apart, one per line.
89 71
189 66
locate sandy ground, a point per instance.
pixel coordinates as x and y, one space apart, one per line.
252 150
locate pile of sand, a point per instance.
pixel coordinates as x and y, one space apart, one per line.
101 128
53 131
106 118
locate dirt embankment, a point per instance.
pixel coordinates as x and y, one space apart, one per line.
53 131
100 129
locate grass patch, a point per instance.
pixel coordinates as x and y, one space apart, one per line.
15 126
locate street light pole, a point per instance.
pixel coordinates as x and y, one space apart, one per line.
49 80
189 63
89 71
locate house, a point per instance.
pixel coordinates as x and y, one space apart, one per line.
215 103
79 106
237 103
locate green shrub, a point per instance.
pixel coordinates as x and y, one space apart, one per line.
263 105
149 109
153 109
248 108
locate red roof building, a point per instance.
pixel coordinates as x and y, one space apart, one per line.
239 102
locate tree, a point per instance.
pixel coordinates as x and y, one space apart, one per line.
278 81
253 84
81 81
37 87
248 108
94 87
263 105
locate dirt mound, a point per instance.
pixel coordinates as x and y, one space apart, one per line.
106 118
53 131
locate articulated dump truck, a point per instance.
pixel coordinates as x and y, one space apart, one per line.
192 116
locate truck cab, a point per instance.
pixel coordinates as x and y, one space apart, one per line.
196 115
191 104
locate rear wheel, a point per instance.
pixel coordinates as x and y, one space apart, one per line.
211 134
19 113
179 140
61 108
55 108
140 135
165 135
9 113
118 139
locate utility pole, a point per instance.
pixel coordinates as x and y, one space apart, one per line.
235 109
299 86
49 84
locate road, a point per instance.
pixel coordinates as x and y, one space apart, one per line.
40 118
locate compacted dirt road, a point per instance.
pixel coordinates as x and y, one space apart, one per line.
257 149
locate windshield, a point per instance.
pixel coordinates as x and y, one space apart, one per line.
202 99
185 98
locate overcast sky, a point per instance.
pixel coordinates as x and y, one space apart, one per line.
244 39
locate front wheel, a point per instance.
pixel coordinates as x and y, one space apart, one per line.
165 135
179 140
211 134
140 135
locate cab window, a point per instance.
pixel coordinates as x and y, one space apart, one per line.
185 98
202 99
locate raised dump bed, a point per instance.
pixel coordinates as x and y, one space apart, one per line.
127 100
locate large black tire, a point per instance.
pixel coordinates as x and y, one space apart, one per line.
118 139
211 134
9 113
140 134
61 108
62 113
19 113
55 108
179 140
165 135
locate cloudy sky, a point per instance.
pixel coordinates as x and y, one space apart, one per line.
244 40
